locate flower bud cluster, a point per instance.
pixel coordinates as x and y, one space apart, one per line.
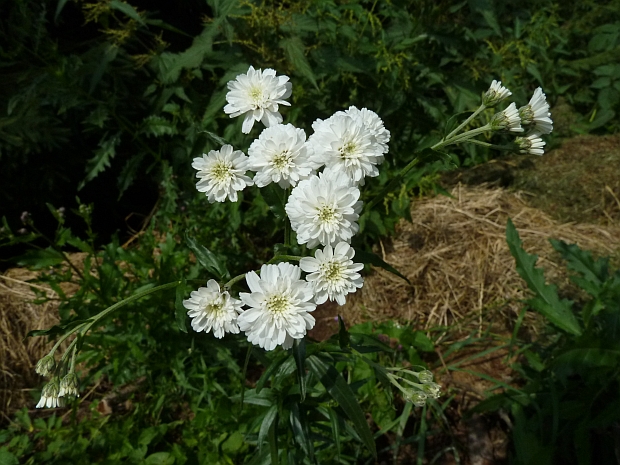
417 393
55 393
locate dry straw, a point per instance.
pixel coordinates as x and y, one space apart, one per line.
455 255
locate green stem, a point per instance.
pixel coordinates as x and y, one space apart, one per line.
233 281
492 146
128 300
65 336
463 137
466 122
284 258
287 223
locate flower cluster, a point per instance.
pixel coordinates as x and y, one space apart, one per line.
535 117
418 392
56 392
321 174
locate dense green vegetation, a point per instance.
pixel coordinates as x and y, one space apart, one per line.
111 100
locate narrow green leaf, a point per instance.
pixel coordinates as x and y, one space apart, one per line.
273 443
275 197
271 369
299 353
265 426
207 258
546 300
217 139
57 329
61 4
338 388
335 424
301 431
180 310
589 357
373 259
344 339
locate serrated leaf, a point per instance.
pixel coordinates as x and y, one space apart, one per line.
546 300
126 9
180 311
101 160
373 259
158 126
40 258
207 259
294 49
338 388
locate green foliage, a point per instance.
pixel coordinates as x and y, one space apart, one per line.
568 408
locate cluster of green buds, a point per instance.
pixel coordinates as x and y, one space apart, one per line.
63 383
533 117
417 392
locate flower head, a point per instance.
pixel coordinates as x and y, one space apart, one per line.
69 386
507 120
532 144
50 395
222 174
425 376
333 274
45 366
280 154
432 390
257 94
211 309
324 209
536 113
280 305
343 142
374 124
418 398
495 94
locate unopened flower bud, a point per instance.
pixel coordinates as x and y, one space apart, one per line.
25 218
425 376
418 398
45 366
495 94
432 390
532 144
69 386
507 120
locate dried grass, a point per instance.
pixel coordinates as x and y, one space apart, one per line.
19 314
457 260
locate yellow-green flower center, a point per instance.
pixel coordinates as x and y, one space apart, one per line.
256 95
327 214
277 304
215 309
221 172
332 271
348 150
282 160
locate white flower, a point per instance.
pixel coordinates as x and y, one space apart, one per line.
536 113
280 154
257 94
50 396
432 390
222 174
532 144
343 142
418 398
333 273
69 386
374 124
495 94
508 120
211 309
280 304
324 209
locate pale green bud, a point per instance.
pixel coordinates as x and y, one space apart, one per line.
425 376
418 398
69 386
45 366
